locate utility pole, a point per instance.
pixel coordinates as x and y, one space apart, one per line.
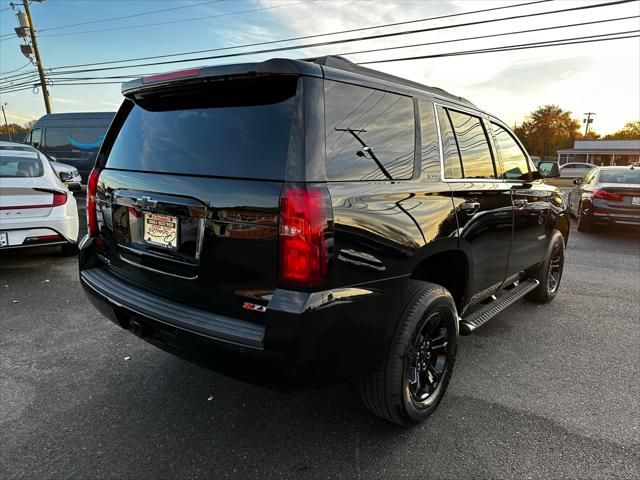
4 114
587 121
36 51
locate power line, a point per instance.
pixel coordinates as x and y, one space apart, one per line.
122 17
549 43
348 40
130 27
509 48
270 42
490 36
16 70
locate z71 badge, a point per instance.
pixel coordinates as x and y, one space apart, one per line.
253 307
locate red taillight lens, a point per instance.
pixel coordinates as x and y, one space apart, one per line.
608 196
59 198
92 214
304 235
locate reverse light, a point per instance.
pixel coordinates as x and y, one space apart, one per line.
608 196
304 235
92 214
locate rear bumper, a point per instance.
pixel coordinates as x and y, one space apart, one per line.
307 339
607 218
62 220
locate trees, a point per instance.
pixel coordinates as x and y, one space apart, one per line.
630 131
547 130
18 132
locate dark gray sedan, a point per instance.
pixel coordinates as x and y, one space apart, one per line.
605 196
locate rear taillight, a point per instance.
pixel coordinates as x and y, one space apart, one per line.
92 214
304 235
59 198
608 196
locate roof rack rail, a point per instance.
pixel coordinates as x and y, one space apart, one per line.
341 63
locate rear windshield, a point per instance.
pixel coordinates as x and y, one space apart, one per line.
620 176
15 165
230 129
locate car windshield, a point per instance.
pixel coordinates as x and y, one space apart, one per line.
620 176
12 164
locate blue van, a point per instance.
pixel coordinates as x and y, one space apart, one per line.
72 138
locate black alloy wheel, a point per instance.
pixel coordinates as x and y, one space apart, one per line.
427 359
554 272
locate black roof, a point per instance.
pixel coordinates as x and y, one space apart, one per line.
309 66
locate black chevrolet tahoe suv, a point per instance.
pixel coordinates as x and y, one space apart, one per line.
302 223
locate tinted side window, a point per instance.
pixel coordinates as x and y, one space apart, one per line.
370 134
36 137
89 138
57 139
513 158
473 145
429 135
450 154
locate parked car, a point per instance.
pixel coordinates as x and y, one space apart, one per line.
606 196
71 138
303 223
575 169
36 207
68 174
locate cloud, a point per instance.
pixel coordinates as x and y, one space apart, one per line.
109 104
534 77
67 101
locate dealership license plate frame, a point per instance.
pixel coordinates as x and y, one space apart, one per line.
635 201
157 231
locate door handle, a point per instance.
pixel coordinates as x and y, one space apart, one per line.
470 208
520 202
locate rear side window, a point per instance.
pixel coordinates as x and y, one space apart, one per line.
473 145
370 134
14 165
87 138
450 153
57 139
234 129
429 135
514 161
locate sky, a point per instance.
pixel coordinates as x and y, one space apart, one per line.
602 77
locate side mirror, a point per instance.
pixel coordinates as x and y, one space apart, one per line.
549 169
74 187
577 181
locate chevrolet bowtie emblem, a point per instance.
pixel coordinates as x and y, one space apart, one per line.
146 203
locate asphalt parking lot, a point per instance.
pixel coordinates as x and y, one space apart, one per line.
547 391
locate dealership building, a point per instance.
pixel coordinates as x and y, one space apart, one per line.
602 152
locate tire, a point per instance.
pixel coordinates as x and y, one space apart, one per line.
583 223
69 249
550 272
413 377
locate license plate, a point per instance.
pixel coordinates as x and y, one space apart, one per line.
161 230
4 239
635 200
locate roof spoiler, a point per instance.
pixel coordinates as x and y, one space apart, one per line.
278 66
